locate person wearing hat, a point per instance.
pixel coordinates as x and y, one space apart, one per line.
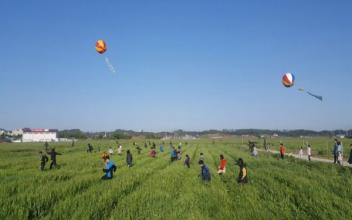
204 171
242 174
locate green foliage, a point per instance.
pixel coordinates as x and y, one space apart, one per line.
73 133
159 189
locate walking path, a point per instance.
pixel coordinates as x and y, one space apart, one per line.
305 157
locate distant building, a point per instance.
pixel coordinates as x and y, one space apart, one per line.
349 133
39 135
275 135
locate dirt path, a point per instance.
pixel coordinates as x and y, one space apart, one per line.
305 157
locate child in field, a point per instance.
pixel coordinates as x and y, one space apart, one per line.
222 166
129 159
109 168
309 152
161 148
242 174
43 160
204 171
187 161
300 153
282 151
53 155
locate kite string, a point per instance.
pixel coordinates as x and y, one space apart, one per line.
110 66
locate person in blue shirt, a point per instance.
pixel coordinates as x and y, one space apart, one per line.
204 171
161 148
173 154
109 168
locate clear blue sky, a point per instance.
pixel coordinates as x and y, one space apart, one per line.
189 65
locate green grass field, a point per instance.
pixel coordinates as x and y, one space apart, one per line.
158 189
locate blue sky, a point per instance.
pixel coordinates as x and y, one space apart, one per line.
189 65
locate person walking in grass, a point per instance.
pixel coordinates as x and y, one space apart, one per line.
255 151
339 152
309 152
111 151
204 171
350 157
119 149
187 161
109 167
201 156
129 159
53 155
161 148
43 160
334 151
173 154
282 150
222 165
300 153
242 174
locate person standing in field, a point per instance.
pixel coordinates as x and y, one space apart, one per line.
187 162
350 157
255 151
161 148
339 152
109 167
222 165
309 152
282 150
43 160
129 159
173 154
119 149
334 151
53 155
111 151
242 174
204 171
300 153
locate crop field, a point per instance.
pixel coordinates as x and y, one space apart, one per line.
155 188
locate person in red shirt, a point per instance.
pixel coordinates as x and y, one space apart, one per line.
282 151
222 166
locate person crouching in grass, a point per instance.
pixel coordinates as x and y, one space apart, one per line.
242 174
204 171
109 168
222 166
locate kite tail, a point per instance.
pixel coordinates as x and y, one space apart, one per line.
315 96
110 66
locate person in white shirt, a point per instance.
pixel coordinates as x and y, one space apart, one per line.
300 153
111 151
309 152
119 149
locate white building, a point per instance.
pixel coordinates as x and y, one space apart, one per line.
39 135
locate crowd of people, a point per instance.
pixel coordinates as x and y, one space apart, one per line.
176 154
